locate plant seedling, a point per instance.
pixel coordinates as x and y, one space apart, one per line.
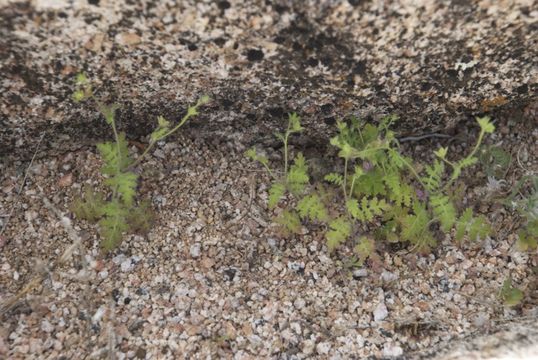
117 211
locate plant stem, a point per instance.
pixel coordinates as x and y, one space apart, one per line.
152 143
345 178
118 150
410 167
286 150
475 149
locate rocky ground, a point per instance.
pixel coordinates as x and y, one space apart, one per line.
214 277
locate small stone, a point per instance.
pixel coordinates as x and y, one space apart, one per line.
308 347
46 326
159 154
66 180
468 289
391 350
195 250
380 312
323 348
255 55
126 265
127 38
295 266
272 242
481 319
299 303
388 276
359 273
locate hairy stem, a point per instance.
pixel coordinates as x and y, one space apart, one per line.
152 143
345 178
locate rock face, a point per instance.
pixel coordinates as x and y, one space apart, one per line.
434 63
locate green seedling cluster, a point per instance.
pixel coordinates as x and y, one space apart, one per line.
381 194
527 207
510 295
118 211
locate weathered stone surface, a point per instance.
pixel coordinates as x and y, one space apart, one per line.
435 63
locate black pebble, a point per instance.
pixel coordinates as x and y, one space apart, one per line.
223 5
254 55
127 300
330 120
116 295
312 62
522 89
93 2
360 68
192 47
356 2
230 274
326 108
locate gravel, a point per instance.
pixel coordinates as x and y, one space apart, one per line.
192 288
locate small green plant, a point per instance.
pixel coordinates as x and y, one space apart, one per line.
527 207
495 161
118 211
294 179
379 188
510 295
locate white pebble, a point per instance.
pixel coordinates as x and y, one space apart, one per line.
46 326
299 303
380 312
195 250
388 276
308 347
126 265
323 348
391 350
360 273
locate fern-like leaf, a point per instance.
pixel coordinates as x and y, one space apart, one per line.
479 229
109 112
475 227
254 156
396 159
340 229
115 155
400 193
466 162
312 207
364 249
113 224
528 236
125 184
510 295
370 183
415 227
290 221
432 182
462 224
485 124
297 178
163 127
141 218
89 208
444 210
334 178
294 123
276 191
367 209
